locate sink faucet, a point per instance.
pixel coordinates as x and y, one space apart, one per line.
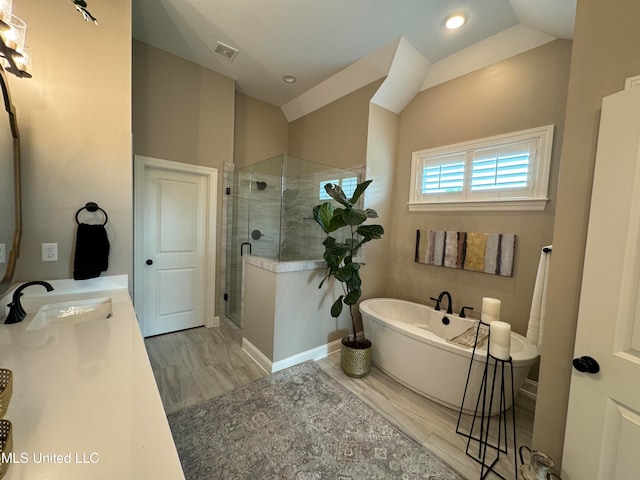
16 312
439 299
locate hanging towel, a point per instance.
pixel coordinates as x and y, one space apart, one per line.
92 251
535 331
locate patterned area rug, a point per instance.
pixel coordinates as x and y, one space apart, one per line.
299 424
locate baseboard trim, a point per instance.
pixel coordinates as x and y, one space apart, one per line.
212 323
268 366
530 389
317 353
256 355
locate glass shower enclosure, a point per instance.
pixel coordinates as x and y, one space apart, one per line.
271 215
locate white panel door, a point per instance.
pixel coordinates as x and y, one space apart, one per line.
174 250
603 424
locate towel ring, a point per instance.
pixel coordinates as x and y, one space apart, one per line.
93 207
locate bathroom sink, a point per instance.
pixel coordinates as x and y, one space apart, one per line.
71 313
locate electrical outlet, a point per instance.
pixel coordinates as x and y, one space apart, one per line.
3 253
49 252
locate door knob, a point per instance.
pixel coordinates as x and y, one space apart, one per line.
149 262
586 364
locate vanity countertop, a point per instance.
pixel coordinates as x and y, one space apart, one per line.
85 404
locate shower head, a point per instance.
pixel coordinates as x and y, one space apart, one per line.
261 185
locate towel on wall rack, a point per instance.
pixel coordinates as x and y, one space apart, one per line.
535 329
92 251
92 247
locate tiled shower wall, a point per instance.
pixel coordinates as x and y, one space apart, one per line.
281 214
301 236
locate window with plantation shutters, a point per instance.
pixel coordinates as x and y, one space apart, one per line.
505 172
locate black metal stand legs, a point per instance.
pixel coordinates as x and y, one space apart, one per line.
492 389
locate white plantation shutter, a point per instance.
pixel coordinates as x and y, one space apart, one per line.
503 168
349 185
505 172
441 178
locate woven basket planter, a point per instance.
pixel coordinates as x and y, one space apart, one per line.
355 362
6 445
6 389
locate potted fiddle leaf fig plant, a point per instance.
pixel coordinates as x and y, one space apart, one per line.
340 256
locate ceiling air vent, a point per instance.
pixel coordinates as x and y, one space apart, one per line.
225 51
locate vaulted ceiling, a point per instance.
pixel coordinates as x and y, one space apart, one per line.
314 39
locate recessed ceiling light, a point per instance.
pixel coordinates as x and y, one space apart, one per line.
289 79
455 21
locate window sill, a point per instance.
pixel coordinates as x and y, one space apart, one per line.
507 205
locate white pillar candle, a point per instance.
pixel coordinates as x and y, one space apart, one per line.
490 310
500 340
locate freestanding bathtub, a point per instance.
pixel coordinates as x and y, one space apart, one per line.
412 344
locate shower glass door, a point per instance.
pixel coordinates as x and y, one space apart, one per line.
237 238
253 224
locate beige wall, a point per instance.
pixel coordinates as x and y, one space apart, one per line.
305 323
259 308
281 328
525 91
605 52
74 117
261 131
335 134
184 113
181 111
351 132
382 145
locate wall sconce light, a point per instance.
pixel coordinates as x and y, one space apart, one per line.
5 13
13 49
15 53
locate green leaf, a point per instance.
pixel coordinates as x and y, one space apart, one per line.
332 261
337 221
370 232
336 308
343 274
360 188
355 282
336 192
352 298
335 248
323 214
353 266
371 213
354 216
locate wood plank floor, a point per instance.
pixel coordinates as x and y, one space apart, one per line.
196 365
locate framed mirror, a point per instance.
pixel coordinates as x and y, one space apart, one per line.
10 192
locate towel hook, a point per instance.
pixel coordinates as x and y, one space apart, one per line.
92 207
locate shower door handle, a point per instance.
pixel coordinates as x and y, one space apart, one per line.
242 245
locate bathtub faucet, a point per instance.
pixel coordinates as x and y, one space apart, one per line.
439 299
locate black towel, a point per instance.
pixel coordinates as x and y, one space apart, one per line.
92 251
